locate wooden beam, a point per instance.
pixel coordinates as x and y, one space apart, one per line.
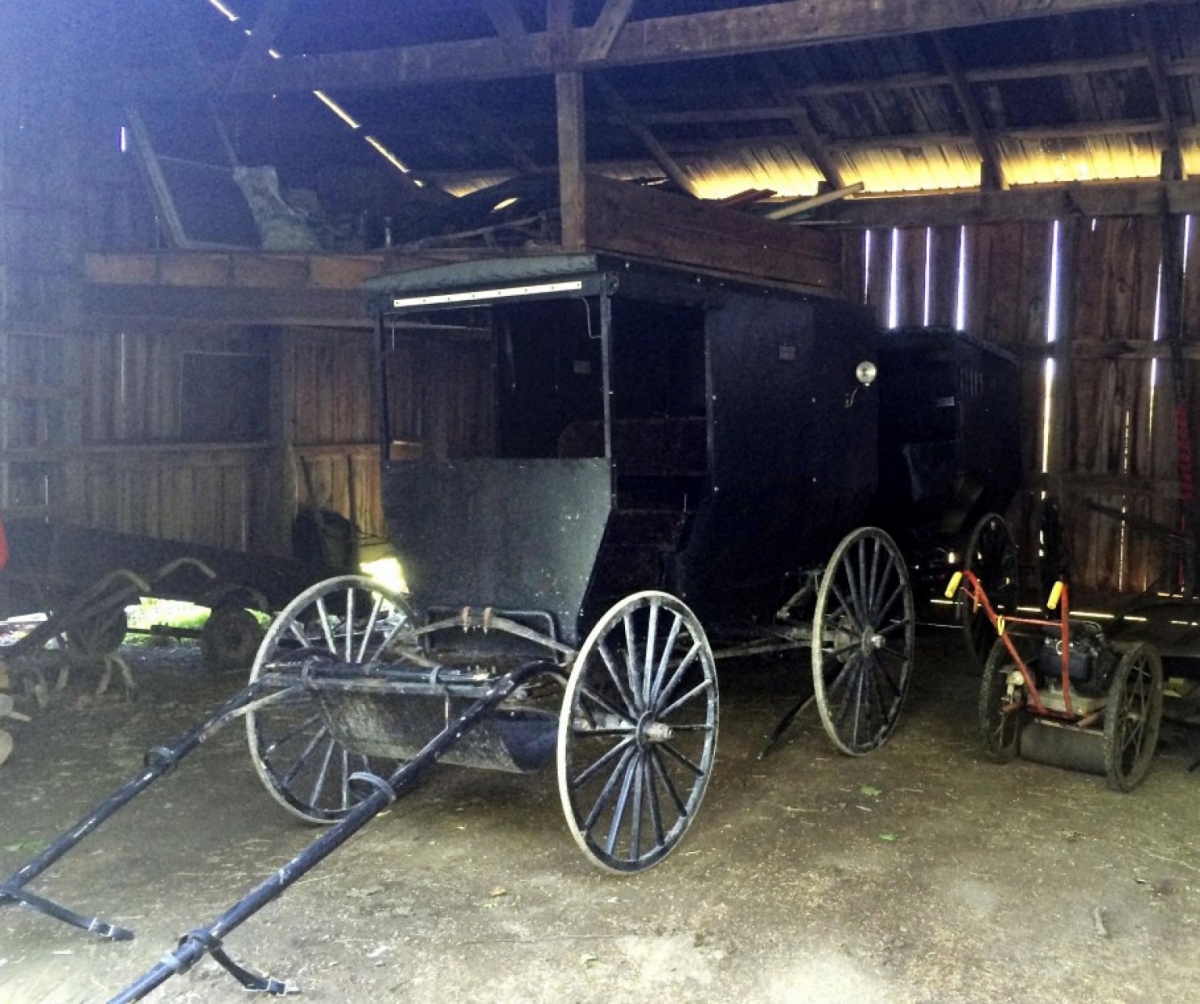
266 29
630 120
765 27
291 308
568 89
604 32
991 173
1086 200
1172 163
810 140
505 18
492 132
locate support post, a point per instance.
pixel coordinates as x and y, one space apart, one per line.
571 157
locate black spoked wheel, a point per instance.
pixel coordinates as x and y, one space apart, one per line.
1132 717
992 555
638 732
1002 705
304 767
862 641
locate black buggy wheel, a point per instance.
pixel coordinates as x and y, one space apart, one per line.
638 732
304 767
1002 705
1132 717
992 555
862 641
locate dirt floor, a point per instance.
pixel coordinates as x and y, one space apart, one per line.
920 873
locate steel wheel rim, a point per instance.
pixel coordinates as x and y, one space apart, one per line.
637 737
1131 734
301 764
992 555
863 638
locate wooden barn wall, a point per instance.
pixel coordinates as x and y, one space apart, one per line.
1113 440
142 467
331 421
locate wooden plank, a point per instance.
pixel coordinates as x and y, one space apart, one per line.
194 270
631 219
343 272
287 308
910 287
121 268
767 27
269 271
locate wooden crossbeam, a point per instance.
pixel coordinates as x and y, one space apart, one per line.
764 27
604 32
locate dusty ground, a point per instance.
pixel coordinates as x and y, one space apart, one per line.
920 873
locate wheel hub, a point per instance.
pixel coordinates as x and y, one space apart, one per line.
649 731
871 641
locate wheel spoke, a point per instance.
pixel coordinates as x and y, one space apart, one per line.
607 791
635 829
664 662
319 783
604 705
661 770
651 641
326 624
631 657
302 759
683 760
610 664
676 678
350 624
614 826
652 800
291 734
700 688
600 764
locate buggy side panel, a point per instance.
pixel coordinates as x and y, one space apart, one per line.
513 534
793 447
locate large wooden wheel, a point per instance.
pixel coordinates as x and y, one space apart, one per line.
992 555
862 641
638 732
305 768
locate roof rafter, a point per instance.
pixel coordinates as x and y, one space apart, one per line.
810 140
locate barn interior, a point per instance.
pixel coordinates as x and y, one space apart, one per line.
197 198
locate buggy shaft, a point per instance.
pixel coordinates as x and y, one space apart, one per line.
159 761
194 945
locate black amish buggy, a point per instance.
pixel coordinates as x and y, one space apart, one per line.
667 468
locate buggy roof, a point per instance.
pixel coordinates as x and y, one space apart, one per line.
515 270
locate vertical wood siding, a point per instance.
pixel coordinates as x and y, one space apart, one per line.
1119 424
